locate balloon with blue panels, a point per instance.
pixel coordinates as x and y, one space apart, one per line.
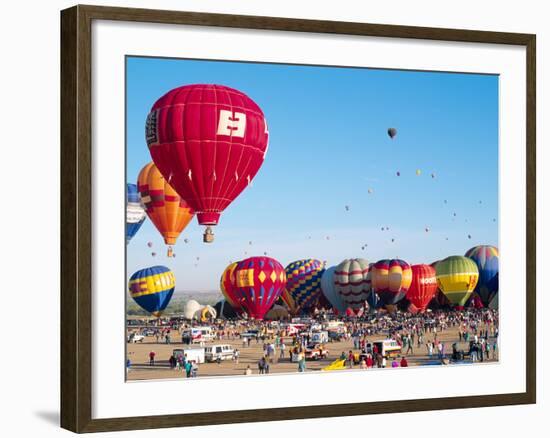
135 213
152 288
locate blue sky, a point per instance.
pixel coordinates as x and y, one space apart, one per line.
329 146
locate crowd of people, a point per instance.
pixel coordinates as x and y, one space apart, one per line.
416 335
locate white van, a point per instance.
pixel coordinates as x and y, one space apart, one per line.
197 335
191 354
388 347
319 337
218 351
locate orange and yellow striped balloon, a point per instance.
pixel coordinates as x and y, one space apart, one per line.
166 209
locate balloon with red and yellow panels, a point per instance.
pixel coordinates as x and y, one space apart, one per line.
167 210
423 286
303 284
208 141
259 281
352 281
227 286
391 280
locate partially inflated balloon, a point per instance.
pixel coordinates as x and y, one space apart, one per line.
227 286
391 280
352 282
303 284
209 141
167 210
486 259
329 290
152 288
135 213
423 286
457 278
259 281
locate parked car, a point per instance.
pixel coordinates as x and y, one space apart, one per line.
191 354
218 352
316 352
388 348
197 335
250 334
335 336
134 337
319 337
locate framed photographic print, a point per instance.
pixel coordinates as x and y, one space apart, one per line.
340 215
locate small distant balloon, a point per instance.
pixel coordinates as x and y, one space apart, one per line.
445 201
153 254
149 244
433 175
469 236
265 253
186 240
480 202
418 172
250 242
347 207
393 240
387 228
398 173
392 132
382 229
370 191
328 237
198 258
426 229
446 238
454 214
494 220
174 254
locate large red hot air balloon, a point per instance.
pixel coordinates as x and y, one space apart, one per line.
423 286
259 281
209 142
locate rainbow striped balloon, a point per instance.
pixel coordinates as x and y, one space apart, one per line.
152 288
391 280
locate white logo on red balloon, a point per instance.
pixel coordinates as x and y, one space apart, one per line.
429 280
231 124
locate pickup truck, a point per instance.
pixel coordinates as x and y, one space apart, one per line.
316 352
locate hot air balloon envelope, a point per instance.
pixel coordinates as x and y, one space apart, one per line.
303 284
152 288
135 213
486 258
209 141
259 281
457 278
